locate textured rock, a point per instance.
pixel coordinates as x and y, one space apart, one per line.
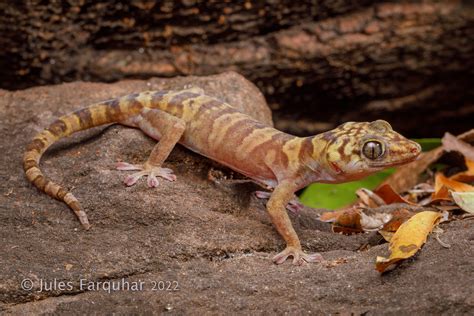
319 62
213 240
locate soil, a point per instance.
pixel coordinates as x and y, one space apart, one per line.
190 246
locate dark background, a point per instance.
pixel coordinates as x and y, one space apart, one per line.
319 63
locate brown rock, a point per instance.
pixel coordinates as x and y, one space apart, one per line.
194 245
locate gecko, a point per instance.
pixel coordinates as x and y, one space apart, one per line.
227 135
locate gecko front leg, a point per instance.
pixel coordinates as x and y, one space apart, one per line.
168 129
282 194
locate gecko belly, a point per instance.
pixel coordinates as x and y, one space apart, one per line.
258 172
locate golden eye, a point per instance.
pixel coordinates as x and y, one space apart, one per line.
372 149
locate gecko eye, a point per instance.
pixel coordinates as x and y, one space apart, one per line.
373 149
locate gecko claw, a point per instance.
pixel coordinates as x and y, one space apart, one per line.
151 172
299 257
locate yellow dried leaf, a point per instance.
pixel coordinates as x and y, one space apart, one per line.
386 235
409 238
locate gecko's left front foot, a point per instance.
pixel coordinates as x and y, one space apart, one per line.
299 256
151 172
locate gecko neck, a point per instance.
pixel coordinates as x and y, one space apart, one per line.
312 161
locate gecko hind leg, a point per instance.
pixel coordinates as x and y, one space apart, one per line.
294 206
168 129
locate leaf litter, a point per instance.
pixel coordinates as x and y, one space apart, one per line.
411 202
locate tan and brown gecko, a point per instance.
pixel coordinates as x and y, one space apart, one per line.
223 133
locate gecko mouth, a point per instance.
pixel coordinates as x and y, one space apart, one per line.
393 163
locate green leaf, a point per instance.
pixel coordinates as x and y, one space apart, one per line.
465 200
333 196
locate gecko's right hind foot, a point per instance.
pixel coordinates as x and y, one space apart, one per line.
150 172
294 206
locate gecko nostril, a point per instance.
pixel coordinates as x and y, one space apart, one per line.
416 149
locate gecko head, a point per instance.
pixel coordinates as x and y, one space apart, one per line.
357 149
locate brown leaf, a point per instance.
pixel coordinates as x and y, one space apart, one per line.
389 196
442 181
452 143
441 195
348 222
465 176
444 184
331 216
399 217
369 198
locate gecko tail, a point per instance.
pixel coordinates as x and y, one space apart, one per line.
111 111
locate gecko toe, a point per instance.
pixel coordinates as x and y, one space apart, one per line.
133 178
152 181
280 258
167 174
263 194
150 172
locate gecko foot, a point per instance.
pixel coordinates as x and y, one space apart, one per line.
294 206
299 257
150 172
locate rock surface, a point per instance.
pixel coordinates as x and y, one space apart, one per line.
195 245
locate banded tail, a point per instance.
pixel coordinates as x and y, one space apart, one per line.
111 111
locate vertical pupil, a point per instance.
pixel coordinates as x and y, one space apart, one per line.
373 149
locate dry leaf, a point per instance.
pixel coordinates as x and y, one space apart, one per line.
331 216
358 219
348 222
441 181
370 221
441 195
409 238
369 198
452 143
465 176
389 196
465 200
386 235
399 217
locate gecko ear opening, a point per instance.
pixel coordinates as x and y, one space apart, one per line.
373 149
380 126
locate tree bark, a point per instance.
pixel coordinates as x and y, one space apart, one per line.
321 63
